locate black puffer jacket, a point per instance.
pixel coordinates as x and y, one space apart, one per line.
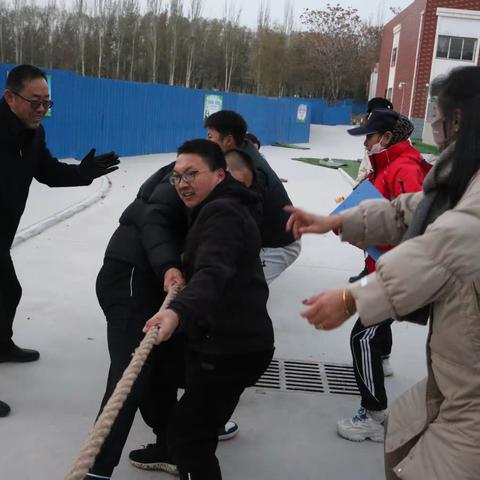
152 228
275 197
24 156
223 309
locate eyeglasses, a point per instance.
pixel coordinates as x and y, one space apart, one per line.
36 104
187 177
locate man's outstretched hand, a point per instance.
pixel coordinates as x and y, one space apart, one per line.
92 166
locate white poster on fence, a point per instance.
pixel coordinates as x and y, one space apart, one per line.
213 104
302 113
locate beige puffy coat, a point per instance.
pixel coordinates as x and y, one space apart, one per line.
433 430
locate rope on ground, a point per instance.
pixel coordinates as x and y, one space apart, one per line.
103 425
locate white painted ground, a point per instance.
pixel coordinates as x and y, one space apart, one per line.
284 436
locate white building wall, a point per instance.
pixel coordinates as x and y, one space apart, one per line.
393 69
454 23
373 82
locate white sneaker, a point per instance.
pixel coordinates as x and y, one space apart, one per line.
363 426
387 367
229 431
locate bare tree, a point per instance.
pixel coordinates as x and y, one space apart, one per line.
3 23
155 8
50 25
175 12
194 15
263 24
125 18
288 18
136 27
164 43
231 23
100 10
81 15
334 33
18 28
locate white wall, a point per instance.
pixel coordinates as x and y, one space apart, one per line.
392 71
455 23
372 91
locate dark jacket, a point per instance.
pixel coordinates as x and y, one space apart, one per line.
223 309
24 156
152 228
275 197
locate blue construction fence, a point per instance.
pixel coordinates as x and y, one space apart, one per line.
140 118
323 113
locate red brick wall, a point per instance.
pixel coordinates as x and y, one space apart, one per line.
427 45
410 21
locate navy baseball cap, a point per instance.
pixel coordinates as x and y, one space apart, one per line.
380 120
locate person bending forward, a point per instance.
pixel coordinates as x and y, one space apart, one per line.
222 311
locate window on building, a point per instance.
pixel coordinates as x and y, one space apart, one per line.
394 57
456 48
456 44
388 96
468 51
442 46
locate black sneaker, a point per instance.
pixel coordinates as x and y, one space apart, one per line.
13 353
228 431
4 409
152 457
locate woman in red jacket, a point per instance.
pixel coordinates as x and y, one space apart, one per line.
397 168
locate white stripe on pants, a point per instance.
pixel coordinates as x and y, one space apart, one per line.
366 359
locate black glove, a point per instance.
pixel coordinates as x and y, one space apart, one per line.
93 167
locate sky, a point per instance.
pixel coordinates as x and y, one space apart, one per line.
376 10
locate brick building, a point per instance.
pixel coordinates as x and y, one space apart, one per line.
428 38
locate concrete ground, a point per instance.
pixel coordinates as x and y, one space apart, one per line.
284 435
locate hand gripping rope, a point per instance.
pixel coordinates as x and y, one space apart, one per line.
103 425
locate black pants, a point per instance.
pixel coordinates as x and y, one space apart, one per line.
10 294
129 297
369 345
213 387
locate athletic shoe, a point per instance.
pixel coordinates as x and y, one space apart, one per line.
4 409
363 426
387 367
228 431
13 353
152 457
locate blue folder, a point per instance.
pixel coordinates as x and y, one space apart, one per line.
363 191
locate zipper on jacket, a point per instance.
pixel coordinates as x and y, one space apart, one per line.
402 185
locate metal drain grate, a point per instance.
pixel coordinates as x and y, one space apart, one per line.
341 379
271 378
304 377
309 377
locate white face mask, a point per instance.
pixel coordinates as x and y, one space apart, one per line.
377 148
439 127
438 131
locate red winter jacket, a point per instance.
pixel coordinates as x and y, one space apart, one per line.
399 169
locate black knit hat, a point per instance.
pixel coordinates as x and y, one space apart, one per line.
379 102
380 120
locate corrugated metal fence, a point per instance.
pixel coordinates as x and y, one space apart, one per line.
339 114
139 118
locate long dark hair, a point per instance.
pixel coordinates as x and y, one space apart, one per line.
460 91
